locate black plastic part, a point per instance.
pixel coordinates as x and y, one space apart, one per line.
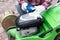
27 24
58 1
43 34
10 37
11 27
57 37
58 30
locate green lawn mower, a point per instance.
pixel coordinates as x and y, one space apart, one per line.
47 28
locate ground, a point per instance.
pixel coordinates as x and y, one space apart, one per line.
4 6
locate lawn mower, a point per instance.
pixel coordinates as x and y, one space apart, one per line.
30 28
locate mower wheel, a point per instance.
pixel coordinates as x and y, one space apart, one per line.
11 38
57 37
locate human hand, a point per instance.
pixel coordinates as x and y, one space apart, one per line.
48 1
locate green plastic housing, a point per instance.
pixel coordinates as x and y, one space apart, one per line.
51 20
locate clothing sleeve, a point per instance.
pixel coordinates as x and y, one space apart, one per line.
21 2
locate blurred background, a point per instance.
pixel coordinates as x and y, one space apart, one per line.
5 5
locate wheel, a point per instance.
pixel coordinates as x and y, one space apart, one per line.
58 0
11 38
57 37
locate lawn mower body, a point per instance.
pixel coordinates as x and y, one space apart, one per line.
49 30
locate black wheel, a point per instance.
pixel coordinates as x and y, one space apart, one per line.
58 0
57 37
11 38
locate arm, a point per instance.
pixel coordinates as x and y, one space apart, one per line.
40 9
23 4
